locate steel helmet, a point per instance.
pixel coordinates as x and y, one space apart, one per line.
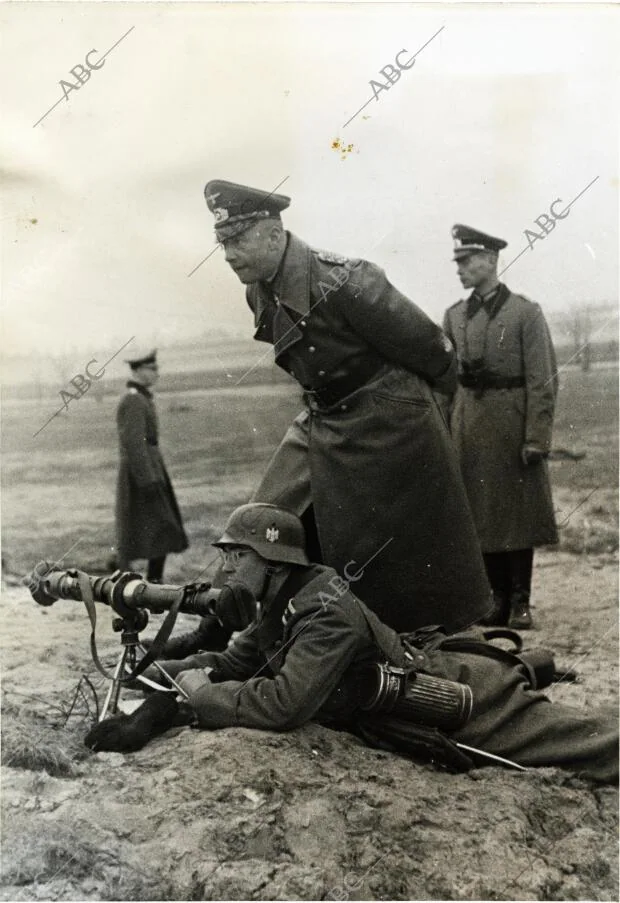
275 533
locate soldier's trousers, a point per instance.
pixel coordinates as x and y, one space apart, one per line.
511 720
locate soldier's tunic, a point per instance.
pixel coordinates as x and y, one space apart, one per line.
299 661
509 338
148 520
372 453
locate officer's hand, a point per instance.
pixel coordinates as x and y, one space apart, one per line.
193 680
531 454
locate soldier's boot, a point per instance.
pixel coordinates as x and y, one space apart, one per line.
520 617
498 616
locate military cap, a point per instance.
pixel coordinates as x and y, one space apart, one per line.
275 533
469 241
141 358
237 207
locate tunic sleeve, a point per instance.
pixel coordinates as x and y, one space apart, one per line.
131 420
320 649
396 327
541 379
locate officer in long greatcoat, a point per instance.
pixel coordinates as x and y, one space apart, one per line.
148 520
370 462
501 420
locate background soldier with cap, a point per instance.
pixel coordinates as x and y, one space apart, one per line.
370 461
308 651
148 520
501 420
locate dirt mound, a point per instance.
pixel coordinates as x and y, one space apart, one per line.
313 814
240 814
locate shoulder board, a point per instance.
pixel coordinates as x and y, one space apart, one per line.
523 297
336 259
456 303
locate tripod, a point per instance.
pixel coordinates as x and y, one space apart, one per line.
129 595
129 629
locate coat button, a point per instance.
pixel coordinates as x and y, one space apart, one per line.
277 644
344 407
311 349
292 372
321 372
303 323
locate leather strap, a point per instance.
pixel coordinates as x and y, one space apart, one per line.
158 643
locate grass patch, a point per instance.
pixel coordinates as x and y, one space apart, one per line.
52 741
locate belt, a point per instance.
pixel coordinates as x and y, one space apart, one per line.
490 381
337 389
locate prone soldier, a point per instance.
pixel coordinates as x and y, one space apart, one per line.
307 645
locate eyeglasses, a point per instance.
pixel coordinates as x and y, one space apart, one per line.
232 556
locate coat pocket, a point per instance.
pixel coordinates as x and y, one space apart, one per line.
402 387
413 401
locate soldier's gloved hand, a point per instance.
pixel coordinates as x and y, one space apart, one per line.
235 606
209 636
128 733
193 680
531 454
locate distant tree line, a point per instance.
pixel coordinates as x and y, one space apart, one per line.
582 334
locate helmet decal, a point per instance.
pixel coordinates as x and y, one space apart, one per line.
272 534
275 533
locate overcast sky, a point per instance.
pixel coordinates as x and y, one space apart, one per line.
505 111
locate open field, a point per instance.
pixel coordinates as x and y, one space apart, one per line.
59 486
238 814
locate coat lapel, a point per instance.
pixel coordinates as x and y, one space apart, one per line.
291 292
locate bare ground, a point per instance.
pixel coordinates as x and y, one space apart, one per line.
239 814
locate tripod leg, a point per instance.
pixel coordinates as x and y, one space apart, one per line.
111 701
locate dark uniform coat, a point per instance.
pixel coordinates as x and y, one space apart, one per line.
378 465
511 501
300 661
148 521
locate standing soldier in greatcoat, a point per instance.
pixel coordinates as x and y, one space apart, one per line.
369 464
148 520
501 421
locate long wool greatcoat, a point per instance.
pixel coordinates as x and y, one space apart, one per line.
378 467
511 501
298 661
148 520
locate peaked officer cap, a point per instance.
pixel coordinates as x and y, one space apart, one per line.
469 241
237 207
140 358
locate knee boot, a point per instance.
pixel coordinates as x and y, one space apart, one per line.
521 562
520 617
498 615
